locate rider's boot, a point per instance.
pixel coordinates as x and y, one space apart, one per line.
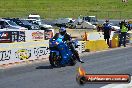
77 56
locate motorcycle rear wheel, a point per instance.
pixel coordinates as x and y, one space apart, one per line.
73 61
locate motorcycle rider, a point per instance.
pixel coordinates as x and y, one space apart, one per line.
67 38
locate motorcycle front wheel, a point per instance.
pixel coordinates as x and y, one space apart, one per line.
54 60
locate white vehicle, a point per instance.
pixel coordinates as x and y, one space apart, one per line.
36 17
79 20
7 24
91 19
63 21
37 20
116 28
83 25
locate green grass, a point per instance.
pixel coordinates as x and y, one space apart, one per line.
112 9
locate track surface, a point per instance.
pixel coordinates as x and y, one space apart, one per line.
41 75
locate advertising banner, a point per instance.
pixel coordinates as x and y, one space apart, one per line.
12 36
5 36
25 51
34 35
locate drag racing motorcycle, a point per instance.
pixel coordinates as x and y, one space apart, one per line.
60 53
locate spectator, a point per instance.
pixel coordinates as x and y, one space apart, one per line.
130 25
99 27
125 1
123 33
107 31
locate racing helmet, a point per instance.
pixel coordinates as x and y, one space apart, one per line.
107 21
62 30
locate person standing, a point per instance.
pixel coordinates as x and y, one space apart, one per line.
107 31
125 1
123 33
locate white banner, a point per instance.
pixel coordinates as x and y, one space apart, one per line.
31 35
18 52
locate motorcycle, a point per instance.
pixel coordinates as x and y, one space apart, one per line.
60 53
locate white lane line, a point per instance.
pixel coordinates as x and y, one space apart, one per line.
128 85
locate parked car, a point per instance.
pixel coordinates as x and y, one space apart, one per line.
63 21
91 19
8 24
23 23
30 25
36 17
114 27
82 25
41 26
